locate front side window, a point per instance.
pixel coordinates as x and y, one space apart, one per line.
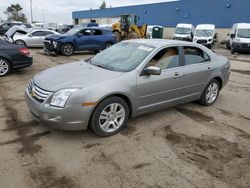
122 57
86 32
166 58
194 55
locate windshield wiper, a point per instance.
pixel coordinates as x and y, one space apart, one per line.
104 67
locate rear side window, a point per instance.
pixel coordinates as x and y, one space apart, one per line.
47 33
194 55
97 32
37 33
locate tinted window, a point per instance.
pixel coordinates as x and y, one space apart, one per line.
86 32
194 55
37 34
166 58
97 32
47 33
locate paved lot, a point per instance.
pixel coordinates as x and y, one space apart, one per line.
186 146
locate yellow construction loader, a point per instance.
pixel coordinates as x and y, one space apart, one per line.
127 28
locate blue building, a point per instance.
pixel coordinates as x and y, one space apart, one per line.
222 13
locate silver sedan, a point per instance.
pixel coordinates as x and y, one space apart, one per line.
126 80
34 38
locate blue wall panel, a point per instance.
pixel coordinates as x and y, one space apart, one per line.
222 13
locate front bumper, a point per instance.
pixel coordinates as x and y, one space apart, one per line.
72 117
241 47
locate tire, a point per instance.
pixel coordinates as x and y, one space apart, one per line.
232 50
108 44
118 36
67 49
210 93
20 42
5 67
133 35
228 45
105 122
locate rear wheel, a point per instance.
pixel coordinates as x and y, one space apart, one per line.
107 45
110 116
210 93
133 35
232 50
20 42
4 67
228 45
67 49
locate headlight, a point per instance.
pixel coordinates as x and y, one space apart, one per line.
60 98
54 44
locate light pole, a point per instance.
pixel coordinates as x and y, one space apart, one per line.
43 15
31 14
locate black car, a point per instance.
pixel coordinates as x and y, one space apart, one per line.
13 56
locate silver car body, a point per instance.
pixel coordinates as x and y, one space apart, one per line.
143 93
34 38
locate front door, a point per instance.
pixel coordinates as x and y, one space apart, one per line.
161 90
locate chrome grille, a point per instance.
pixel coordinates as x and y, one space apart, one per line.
38 93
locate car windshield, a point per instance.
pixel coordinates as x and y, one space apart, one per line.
182 30
73 31
122 57
203 33
243 33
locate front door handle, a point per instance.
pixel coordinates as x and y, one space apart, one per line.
177 75
209 69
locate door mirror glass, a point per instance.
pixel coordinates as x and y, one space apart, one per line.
232 36
153 70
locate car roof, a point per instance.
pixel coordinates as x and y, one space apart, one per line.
243 25
184 25
205 26
159 42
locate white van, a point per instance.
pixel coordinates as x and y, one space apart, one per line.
239 38
184 32
205 34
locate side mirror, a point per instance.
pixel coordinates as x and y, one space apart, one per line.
232 36
78 34
228 34
152 70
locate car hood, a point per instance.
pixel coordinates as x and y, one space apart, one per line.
56 37
72 75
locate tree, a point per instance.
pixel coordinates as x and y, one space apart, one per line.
103 5
14 12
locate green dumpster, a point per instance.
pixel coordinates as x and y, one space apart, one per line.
157 32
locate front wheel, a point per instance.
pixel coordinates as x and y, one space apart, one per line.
67 49
210 93
110 116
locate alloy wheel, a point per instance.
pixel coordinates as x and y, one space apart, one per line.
68 49
112 117
4 67
212 92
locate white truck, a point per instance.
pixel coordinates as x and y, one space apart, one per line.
205 34
239 38
184 32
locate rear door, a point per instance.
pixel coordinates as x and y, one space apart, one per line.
156 91
197 70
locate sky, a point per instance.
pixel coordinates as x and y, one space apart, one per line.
60 11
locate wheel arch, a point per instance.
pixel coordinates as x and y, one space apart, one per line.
219 80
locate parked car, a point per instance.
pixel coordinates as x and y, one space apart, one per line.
239 38
184 32
4 27
132 77
65 28
13 56
34 38
205 34
88 38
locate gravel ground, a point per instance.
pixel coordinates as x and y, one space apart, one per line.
185 146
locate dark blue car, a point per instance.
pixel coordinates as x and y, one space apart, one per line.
79 39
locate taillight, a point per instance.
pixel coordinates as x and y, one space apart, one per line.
24 51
